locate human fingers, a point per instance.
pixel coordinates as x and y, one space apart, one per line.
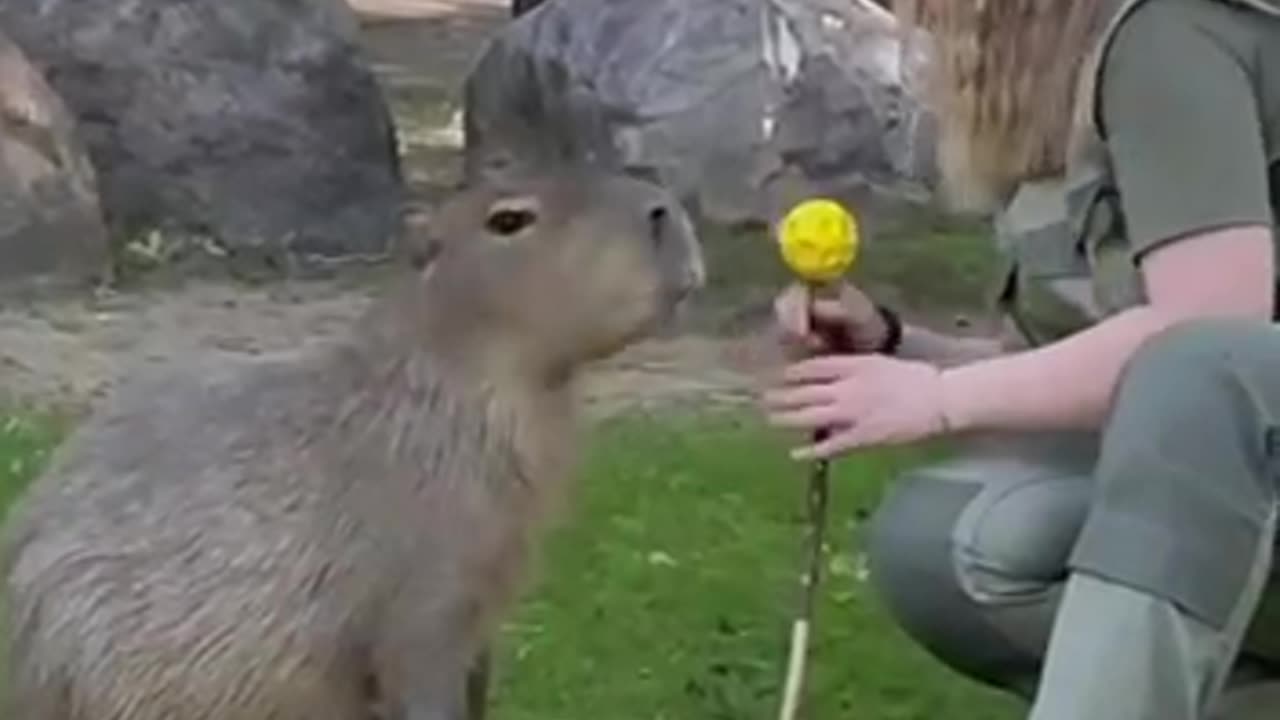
792 397
791 310
809 418
830 311
821 369
839 442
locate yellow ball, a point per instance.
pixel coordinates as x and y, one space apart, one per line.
819 240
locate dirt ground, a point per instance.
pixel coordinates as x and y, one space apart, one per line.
65 353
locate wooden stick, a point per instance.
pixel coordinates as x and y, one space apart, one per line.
819 492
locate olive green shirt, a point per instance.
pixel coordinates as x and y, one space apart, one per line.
1188 111
1189 104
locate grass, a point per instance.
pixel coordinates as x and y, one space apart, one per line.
25 442
665 592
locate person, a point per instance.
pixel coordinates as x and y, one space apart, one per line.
1102 542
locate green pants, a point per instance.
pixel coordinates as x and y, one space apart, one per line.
1120 576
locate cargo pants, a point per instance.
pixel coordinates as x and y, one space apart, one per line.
1123 575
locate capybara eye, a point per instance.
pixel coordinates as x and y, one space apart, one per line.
510 222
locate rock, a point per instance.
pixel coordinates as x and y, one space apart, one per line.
251 123
51 229
520 7
741 106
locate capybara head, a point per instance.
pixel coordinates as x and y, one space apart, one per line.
568 266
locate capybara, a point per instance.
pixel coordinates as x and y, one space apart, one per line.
332 533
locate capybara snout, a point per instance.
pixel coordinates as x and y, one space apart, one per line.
679 251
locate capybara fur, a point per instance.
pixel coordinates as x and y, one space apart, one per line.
332 533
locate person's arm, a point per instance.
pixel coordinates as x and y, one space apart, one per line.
1070 383
1189 156
943 350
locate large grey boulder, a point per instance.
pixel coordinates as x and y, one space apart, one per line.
51 230
253 123
520 7
742 106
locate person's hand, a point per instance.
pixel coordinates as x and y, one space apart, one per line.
851 315
862 400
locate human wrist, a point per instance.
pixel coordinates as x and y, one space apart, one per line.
955 404
874 329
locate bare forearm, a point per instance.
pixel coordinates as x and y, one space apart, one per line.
1069 383
1064 385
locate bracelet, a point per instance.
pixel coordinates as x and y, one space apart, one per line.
893 334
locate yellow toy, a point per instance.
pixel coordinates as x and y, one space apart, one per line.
818 240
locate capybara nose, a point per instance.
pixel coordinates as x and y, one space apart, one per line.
672 233
659 224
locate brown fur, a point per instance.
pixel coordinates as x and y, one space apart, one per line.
1004 77
291 536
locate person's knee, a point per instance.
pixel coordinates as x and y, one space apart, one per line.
909 552
909 546
1206 336
1187 469
996 543
1198 365
969 567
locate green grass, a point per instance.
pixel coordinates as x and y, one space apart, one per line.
666 592
25 442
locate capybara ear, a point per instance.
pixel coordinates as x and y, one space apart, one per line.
501 169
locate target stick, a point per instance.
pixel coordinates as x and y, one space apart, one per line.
818 240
